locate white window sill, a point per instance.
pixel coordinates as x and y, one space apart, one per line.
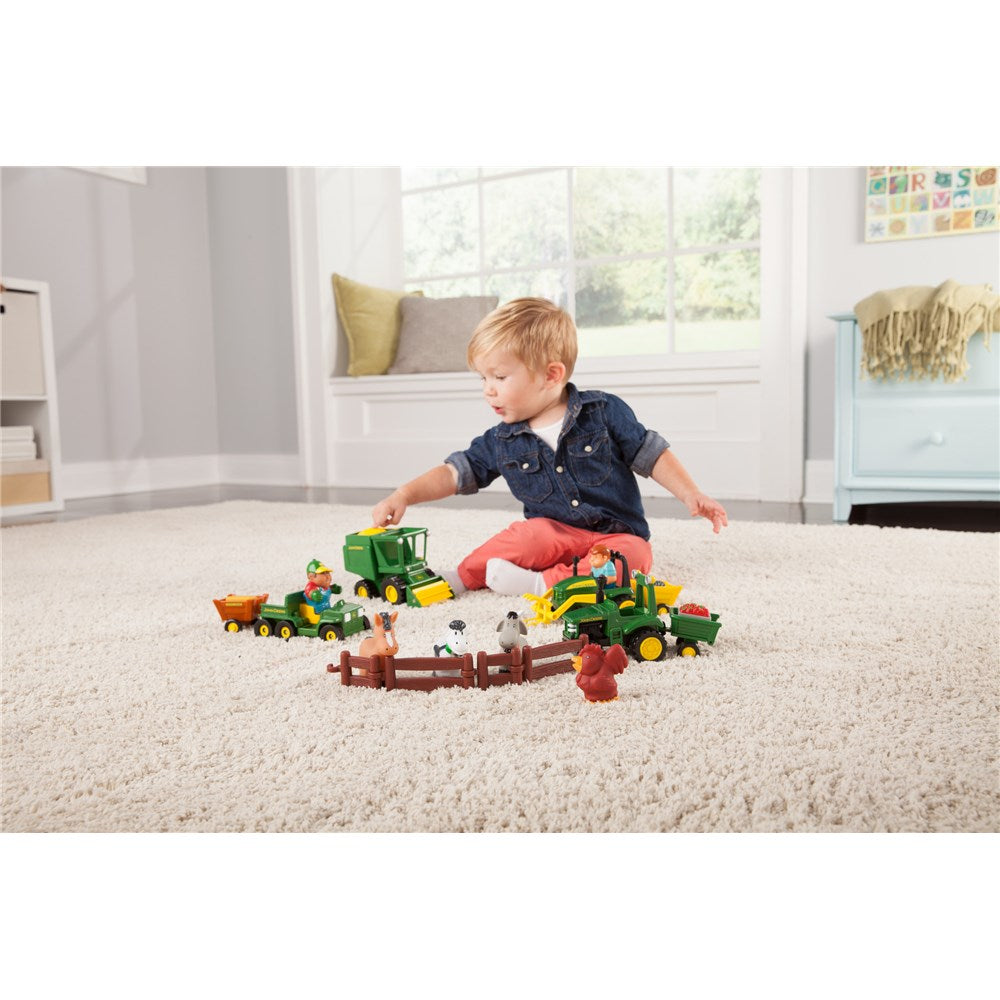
720 366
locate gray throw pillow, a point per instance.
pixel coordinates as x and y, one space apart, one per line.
434 333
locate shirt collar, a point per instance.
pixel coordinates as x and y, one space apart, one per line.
573 407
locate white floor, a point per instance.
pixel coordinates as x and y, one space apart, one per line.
745 510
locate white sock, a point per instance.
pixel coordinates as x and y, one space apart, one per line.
504 577
451 577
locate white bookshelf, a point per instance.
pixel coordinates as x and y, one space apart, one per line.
28 398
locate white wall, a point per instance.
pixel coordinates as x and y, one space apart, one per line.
843 269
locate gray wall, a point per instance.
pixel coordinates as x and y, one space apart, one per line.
171 307
128 272
843 269
252 310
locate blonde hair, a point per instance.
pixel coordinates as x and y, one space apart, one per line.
534 330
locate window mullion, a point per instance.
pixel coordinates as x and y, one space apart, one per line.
482 233
571 252
671 311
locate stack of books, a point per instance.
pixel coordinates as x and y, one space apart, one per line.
17 443
24 477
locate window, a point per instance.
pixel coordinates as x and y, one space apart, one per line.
649 261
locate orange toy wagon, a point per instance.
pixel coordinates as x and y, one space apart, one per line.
237 610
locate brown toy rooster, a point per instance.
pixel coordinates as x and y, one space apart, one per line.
596 668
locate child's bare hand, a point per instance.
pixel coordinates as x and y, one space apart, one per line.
389 511
703 506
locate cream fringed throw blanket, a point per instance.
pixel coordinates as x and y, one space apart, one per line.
922 332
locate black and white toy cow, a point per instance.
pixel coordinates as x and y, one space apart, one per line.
454 643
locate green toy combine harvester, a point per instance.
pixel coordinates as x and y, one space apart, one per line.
392 563
625 614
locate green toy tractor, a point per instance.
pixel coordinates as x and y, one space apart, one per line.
298 617
392 564
632 623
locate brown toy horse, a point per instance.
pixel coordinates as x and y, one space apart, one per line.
382 642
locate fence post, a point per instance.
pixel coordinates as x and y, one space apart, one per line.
390 672
482 671
345 667
468 673
527 657
517 665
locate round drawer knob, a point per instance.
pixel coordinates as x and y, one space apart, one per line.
937 438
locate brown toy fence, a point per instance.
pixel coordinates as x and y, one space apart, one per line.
521 665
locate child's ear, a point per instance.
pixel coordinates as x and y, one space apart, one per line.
555 373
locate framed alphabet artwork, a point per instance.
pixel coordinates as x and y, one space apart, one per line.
905 203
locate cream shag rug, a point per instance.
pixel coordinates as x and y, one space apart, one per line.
853 686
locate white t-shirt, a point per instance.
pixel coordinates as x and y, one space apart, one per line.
550 433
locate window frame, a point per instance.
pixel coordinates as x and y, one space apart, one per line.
669 358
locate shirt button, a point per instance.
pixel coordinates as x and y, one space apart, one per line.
524 465
558 468
588 448
574 503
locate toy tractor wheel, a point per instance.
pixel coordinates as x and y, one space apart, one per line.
686 648
330 632
285 630
365 589
647 645
366 621
394 590
263 628
624 601
232 625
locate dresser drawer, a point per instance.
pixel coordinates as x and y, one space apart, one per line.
930 437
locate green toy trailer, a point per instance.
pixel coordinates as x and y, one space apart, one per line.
692 629
392 564
298 617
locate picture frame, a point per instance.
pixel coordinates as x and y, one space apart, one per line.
904 203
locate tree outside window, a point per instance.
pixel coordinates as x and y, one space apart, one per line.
649 261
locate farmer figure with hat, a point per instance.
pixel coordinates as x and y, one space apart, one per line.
318 590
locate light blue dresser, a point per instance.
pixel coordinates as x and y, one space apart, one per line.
915 440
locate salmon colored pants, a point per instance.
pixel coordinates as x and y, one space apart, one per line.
548 547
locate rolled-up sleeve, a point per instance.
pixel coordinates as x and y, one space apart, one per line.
476 466
639 447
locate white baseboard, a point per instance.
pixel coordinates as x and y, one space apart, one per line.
98 479
819 481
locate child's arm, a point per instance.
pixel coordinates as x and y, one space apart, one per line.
672 476
435 484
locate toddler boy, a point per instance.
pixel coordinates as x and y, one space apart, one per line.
570 457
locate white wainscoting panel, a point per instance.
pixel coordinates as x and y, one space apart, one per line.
386 429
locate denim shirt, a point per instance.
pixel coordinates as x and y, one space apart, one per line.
587 482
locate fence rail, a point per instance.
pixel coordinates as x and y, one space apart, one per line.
417 673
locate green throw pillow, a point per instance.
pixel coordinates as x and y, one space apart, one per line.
370 318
